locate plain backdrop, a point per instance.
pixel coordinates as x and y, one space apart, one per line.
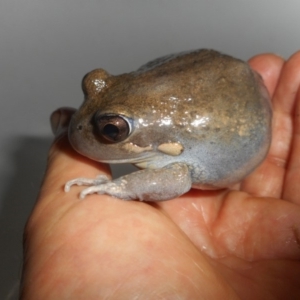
47 46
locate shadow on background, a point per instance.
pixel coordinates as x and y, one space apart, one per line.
29 157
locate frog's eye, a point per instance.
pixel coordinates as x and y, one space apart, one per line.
112 128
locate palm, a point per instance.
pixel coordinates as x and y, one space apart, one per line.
212 245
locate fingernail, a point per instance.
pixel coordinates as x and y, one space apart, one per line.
60 120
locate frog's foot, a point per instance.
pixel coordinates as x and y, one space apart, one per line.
115 189
146 185
86 181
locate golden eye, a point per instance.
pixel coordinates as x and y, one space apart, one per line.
112 128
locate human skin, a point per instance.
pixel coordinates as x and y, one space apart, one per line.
238 243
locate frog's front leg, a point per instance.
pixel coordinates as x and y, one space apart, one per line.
146 185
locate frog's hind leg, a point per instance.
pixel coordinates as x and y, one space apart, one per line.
146 185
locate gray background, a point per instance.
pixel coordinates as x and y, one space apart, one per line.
47 46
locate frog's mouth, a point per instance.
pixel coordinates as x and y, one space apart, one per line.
138 161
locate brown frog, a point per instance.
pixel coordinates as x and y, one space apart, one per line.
197 119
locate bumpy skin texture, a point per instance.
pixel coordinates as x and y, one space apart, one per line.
200 119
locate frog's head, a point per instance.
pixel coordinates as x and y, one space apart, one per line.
107 127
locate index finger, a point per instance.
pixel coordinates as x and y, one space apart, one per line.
267 179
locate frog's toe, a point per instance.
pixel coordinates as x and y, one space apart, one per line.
86 181
109 188
89 191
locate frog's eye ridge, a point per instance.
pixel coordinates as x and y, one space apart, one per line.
112 128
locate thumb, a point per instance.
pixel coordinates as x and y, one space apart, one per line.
64 164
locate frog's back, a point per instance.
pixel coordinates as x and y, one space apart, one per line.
220 113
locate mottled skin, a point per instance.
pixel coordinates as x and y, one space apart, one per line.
200 119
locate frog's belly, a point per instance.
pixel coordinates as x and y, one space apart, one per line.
215 165
219 165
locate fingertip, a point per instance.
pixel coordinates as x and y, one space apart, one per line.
65 160
294 58
269 66
266 62
291 73
65 164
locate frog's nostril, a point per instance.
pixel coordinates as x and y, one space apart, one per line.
79 127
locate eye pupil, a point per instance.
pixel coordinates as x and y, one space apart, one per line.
111 128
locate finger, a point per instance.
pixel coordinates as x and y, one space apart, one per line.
291 189
269 67
64 164
53 203
285 145
267 179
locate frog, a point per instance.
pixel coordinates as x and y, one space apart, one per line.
196 119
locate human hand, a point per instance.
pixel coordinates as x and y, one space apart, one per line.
242 243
